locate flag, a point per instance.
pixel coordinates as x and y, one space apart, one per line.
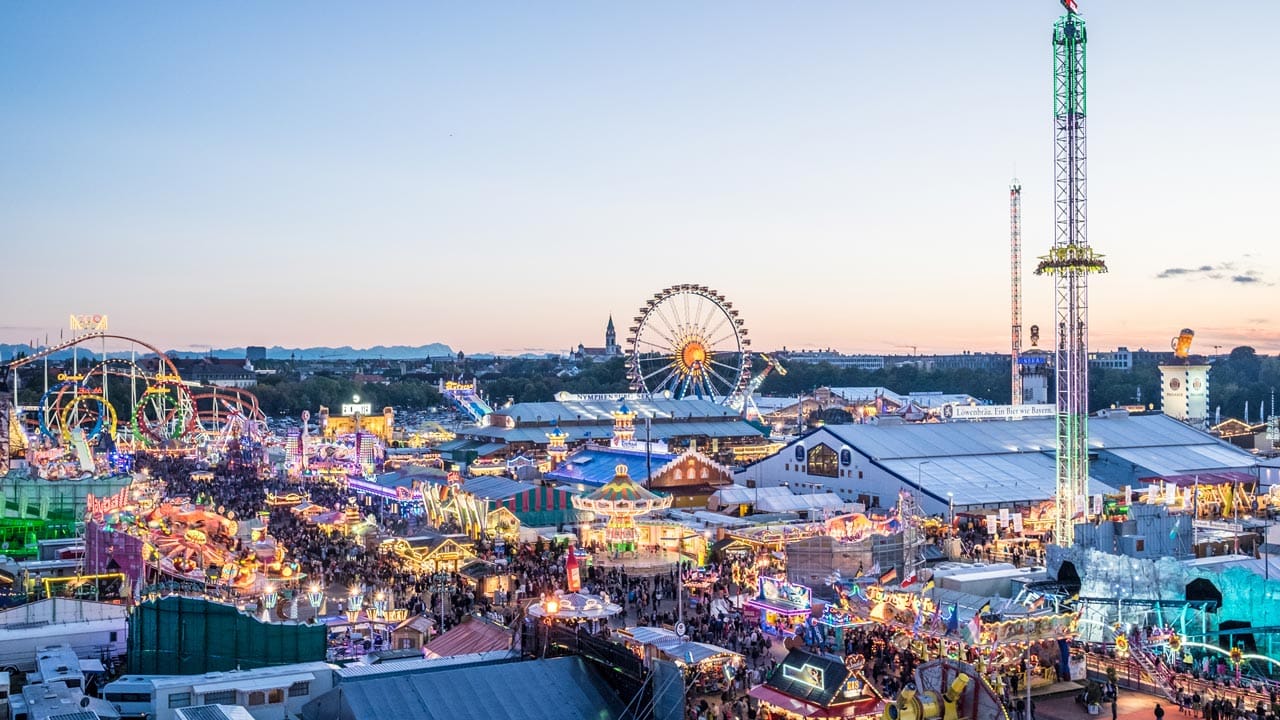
986 608
953 619
889 576
860 572
909 580
975 628
1070 6
1037 603
927 587
573 581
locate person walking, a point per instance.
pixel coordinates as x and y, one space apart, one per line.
1159 712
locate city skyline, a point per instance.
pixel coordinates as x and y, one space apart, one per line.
502 182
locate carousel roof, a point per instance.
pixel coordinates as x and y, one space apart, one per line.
622 489
577 606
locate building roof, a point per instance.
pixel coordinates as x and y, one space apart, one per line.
495 487
792 677
865 393
555 689
596 465
800 501
360 671
601 411
743 495
601 432
1013 461
472 636
213 712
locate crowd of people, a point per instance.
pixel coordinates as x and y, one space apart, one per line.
709 606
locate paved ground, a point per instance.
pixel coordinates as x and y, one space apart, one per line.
1131 706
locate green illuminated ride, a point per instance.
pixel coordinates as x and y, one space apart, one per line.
1070 262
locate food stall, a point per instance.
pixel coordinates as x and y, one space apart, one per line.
780 606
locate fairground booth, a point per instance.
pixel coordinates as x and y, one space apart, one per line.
807 685
148 538
710 668
780 607
937 623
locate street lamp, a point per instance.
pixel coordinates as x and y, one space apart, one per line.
269 599
355 600
380 604
919 466
315 595
441 583
951 508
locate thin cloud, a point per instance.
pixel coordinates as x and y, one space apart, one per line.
1222 271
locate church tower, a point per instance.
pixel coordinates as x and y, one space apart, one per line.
611 339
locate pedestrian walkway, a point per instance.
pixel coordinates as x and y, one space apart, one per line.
1130 706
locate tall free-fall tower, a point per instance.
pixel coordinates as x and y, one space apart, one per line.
1070 262
1015 290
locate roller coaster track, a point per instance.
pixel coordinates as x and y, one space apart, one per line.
214 395
41 354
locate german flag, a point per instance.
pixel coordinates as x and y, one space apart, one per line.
889 576
927 587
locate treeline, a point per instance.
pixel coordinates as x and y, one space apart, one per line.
1241 377
278 395
540 380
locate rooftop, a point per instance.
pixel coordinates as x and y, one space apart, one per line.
566 689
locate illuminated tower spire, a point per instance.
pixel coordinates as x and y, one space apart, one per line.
624 426
1070 261
557 445
1015 292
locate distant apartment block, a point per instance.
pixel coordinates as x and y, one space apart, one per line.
862 362
254 353
1119 359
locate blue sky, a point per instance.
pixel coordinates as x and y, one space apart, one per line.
503 176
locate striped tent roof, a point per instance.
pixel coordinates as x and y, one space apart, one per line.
622 494
622 487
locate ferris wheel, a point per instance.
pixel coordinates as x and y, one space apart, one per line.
689 341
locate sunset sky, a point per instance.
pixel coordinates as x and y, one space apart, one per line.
503 176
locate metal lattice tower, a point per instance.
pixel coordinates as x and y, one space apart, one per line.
1015 291
1071 261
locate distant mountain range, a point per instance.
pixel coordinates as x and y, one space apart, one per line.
346 352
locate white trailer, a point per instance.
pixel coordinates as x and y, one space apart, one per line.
96 631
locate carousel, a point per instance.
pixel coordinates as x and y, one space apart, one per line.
620 502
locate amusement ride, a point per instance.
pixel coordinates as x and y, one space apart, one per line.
78 410
688 340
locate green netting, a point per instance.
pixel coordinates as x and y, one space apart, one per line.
189 636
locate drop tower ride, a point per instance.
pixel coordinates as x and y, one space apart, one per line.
1070 262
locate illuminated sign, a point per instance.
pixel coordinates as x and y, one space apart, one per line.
349 409
596 397
997 412
100 507
89 323
777 591
75 378
806 674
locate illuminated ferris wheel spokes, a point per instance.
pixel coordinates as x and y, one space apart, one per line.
689 341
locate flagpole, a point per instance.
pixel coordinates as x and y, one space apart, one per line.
1026 678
